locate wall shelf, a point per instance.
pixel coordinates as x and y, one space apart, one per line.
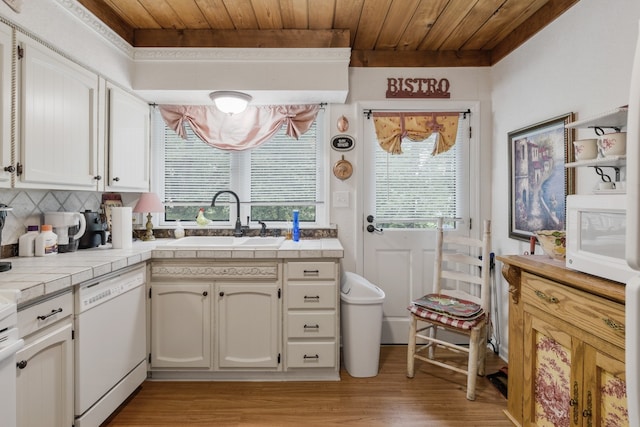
609 161
616 118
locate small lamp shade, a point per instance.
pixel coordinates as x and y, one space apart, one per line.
149 202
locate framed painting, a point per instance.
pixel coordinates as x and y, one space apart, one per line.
539 182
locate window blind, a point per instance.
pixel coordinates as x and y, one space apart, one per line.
416 186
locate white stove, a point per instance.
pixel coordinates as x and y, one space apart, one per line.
10 343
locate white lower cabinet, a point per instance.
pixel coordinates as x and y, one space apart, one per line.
208 316
45 364
181 325
244 320
248 325
312 315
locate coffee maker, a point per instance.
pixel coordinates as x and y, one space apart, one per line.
96 232
68 226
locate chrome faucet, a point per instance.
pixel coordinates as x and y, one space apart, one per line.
238 232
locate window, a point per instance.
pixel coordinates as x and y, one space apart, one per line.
413 188
271 180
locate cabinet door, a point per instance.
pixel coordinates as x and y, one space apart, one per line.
5 105
45 380
128 141
58 120
605 397
180 325
248 321
551 376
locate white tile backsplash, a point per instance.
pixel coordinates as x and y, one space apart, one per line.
29 207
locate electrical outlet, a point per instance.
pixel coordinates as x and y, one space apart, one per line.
16 5
340 199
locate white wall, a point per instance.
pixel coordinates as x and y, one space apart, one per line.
581 63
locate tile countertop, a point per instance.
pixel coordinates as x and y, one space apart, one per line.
39 276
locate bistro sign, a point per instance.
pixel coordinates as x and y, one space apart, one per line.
417 87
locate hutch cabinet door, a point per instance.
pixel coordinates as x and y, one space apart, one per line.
605 399
549 374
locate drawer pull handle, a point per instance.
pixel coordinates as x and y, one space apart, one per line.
315 356
308 298
550 300
22 364
311 326
53 312
311 272
614 325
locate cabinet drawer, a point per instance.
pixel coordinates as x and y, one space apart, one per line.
311 325
598 316
311 355
42 314
311 270
312 295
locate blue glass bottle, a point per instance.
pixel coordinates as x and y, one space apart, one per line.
296 226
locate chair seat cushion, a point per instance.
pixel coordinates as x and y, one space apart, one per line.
450 305
464 324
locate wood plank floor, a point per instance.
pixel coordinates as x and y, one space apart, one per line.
435 397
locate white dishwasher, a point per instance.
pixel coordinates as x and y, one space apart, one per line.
110 344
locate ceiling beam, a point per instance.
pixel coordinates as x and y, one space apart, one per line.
405 58
106 14
242 38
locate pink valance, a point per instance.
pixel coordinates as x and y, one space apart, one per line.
242 131
392 127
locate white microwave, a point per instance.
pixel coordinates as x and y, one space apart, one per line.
596 234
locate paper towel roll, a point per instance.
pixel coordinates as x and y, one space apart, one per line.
121 227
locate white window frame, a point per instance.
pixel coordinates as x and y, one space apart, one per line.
322 206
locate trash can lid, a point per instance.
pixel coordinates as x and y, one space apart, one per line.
356 289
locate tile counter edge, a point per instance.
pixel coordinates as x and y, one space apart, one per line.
39 276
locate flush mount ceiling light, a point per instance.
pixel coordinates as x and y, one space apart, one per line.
230 102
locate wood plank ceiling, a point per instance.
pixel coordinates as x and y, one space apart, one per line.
380 33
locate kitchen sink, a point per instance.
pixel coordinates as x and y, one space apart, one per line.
226 242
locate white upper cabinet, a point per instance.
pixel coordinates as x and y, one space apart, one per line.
5 106
127 127
58 111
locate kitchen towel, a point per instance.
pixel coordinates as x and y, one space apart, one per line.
121 227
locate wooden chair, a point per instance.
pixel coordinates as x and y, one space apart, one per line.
462 271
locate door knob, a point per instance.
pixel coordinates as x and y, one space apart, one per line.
370 219
371 228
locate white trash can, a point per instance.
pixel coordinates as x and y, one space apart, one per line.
361 313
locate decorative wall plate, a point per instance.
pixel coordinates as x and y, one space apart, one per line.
343 169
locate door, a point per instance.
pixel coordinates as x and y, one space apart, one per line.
181 325
128 141
58 120
248 325
403 195
5 106
44 385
